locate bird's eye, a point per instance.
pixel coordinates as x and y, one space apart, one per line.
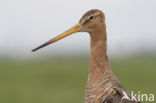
91 17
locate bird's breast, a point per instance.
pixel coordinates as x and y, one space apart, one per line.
98 91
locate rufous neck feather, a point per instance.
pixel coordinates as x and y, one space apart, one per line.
98 56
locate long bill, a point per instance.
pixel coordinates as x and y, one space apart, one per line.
74 29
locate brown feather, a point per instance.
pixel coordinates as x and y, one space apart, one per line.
102 85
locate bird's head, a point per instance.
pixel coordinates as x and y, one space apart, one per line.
91 21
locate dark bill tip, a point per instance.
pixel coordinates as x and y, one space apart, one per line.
41 46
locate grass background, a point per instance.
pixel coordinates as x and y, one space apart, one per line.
63 80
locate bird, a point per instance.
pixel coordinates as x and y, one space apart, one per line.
102 85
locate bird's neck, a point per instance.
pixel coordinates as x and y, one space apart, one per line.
98 56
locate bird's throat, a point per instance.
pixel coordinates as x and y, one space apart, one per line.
98 56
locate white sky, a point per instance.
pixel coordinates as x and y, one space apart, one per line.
25 24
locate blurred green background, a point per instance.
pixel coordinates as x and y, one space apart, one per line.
63 79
